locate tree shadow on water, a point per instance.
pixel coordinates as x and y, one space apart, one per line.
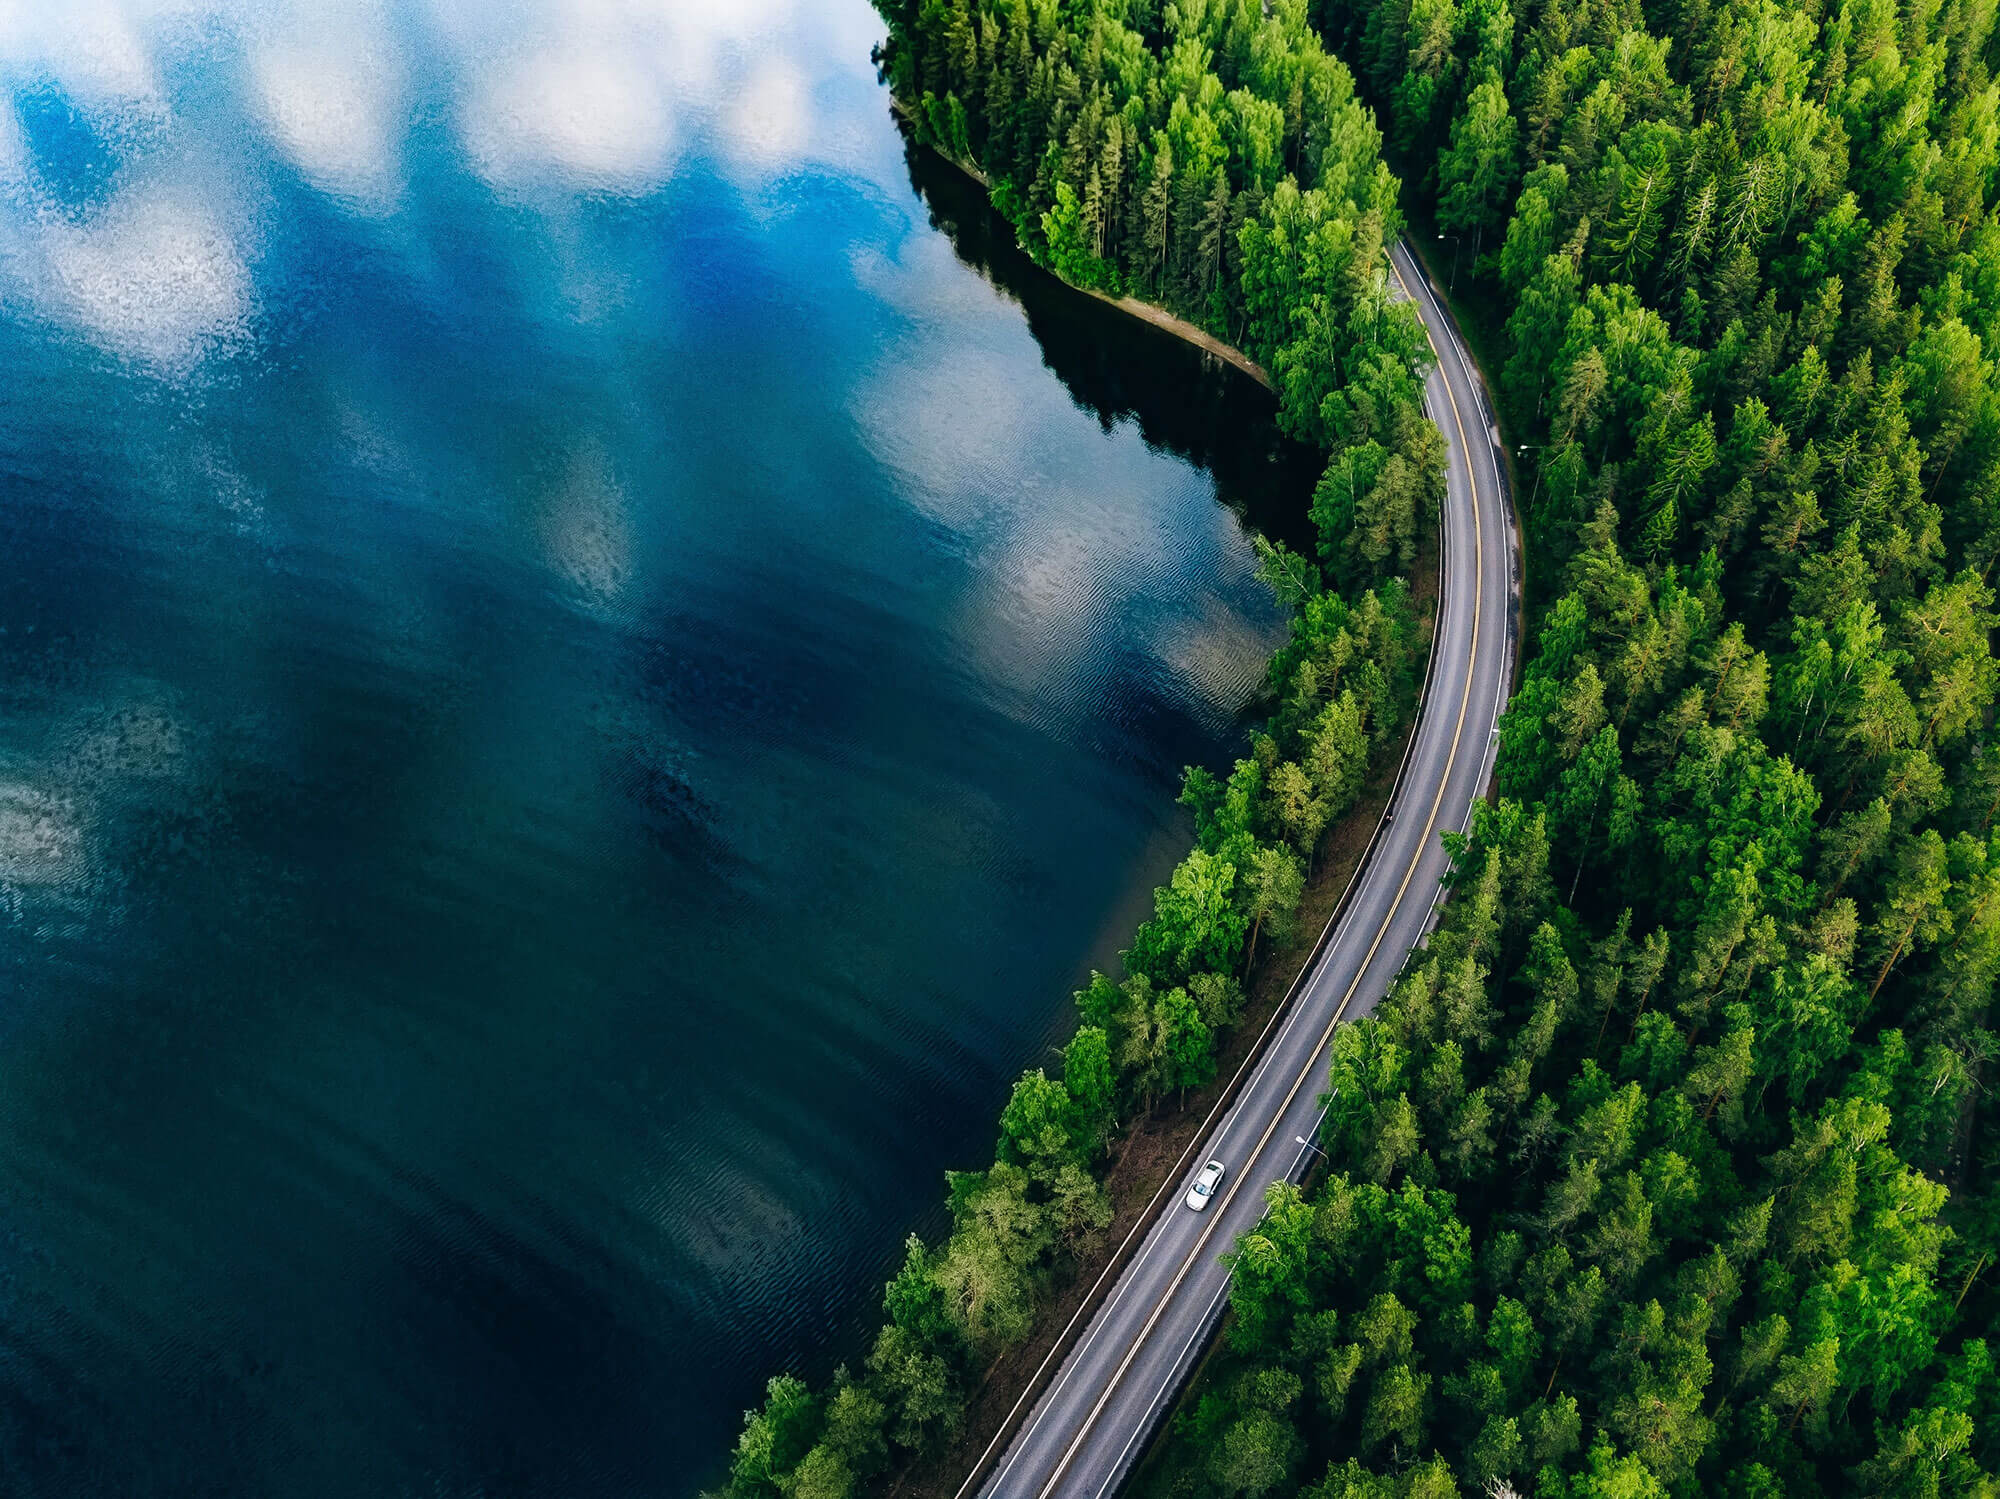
1117 367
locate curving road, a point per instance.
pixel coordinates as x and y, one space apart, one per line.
1124 1367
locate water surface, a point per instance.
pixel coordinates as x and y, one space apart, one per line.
585 657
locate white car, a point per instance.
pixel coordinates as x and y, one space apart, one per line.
1205 1185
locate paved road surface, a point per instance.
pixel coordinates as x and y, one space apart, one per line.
1126 1364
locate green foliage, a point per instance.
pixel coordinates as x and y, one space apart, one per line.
775 1438
1212 158
1197 924
1698 1063
1092 1087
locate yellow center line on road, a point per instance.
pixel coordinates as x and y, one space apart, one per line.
1416 859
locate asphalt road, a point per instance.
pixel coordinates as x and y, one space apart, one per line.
1126 1364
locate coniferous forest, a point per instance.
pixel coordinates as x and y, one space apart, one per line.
1670 1164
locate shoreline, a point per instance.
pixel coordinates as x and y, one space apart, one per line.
1145 312
1181 328
1156 1144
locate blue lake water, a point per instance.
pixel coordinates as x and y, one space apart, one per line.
585 658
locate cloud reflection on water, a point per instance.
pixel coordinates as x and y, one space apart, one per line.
542 104
477 606
154 276
332 91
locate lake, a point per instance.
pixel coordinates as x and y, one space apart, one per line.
586 657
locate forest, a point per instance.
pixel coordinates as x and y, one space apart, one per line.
1668 1166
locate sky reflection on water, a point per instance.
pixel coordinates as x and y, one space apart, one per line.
576 687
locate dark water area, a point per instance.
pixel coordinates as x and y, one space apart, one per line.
1123 370
586 657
